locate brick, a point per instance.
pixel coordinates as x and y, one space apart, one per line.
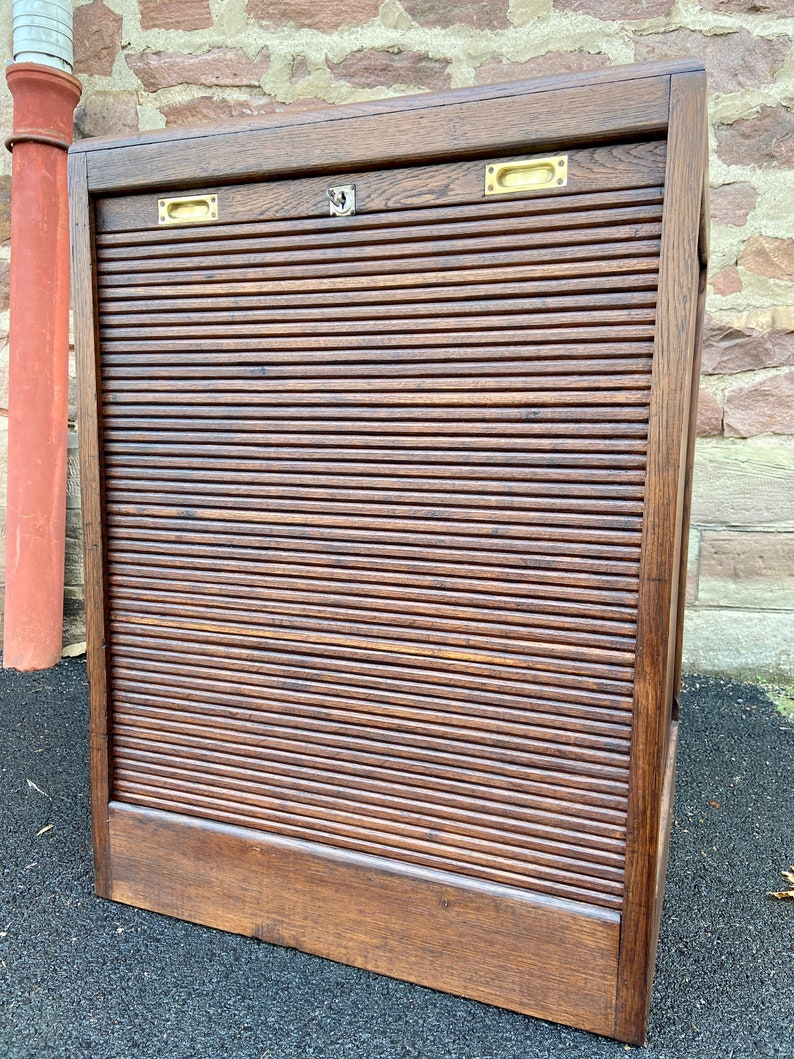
4 285
746 568
763 407
5 209
3 376
728 349
549 65
97 39
72 471
765 139
692 566
73 616
741 643
442 14
748 483
205 110
324 15
6 106
310 103
384 69
72 406
106 114
747 7
73 573
226 67
728 281
618 10
732 203
734 61
175 14
709 421
770 257
3 462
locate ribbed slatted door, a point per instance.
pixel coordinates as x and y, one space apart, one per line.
375 499
374 511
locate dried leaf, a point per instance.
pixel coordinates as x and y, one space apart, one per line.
789 877
37 788
715 805
44 830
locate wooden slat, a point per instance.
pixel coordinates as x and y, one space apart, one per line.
579 628
126 221
540 830
229 251
615 260
610 701
594 243
461 669
552 545
619 277
504 702
388 801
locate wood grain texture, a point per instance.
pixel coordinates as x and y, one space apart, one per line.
452 189
688 472
88 372
662 543
700 316
392 515
551 959
480 122
178 737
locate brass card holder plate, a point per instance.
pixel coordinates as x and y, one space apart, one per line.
191 209
526 174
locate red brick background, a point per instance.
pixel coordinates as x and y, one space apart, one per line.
166 63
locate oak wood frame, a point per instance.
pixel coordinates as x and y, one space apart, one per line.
619 104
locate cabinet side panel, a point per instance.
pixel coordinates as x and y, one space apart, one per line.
87 353
667 445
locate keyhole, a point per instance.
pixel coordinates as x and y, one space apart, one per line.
342 199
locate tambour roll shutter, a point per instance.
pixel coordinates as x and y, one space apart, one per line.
376 501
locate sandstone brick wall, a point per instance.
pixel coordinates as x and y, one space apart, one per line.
162 63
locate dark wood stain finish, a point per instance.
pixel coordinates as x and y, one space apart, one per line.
385 529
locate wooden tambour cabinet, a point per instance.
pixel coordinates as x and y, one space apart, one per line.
386 426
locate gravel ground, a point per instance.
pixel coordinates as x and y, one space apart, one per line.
81 977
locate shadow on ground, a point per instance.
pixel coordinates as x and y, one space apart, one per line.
81 977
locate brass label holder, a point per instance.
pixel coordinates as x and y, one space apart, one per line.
191 209
526 174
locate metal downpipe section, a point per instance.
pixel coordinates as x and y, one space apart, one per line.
45 95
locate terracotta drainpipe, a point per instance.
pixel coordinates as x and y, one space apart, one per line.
38 375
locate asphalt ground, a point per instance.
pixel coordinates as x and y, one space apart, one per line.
82 977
